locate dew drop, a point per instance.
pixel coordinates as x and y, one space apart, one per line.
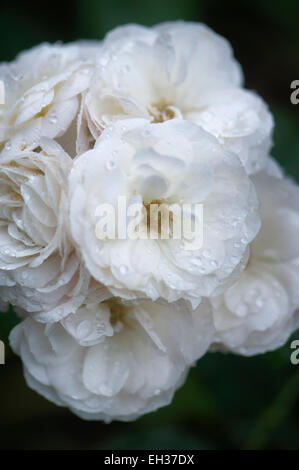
53 118
84 329
207 253
126 68
123 269
23 144
110 165
196 262
259 303
242 310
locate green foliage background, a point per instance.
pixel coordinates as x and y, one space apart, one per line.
228 401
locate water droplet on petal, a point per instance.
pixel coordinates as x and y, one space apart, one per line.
123 269
259 303
207 253
84 329
126 68
23 144
53 118
110 165
242 310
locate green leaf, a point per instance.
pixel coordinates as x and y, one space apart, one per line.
274 415
286 139
95 19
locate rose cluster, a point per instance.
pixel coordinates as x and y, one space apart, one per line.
110 327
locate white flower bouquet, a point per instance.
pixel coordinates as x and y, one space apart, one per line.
99 140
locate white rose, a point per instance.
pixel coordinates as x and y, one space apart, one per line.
257 313
114 360
176 70
171 162
42 91
39 269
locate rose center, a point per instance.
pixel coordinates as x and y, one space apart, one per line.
158 219
162 111
118 311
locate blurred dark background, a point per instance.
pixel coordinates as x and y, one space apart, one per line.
228 402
